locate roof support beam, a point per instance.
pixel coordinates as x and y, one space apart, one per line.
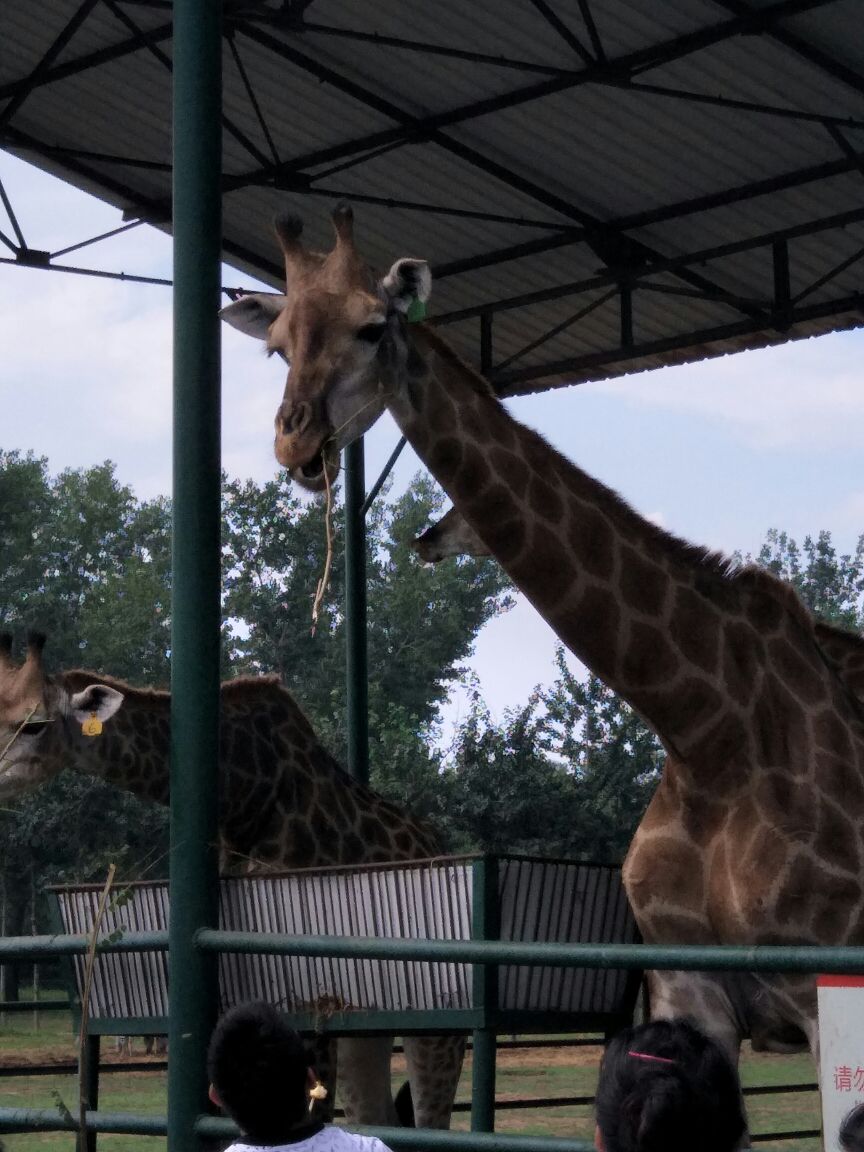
59 43
669 264
682 94
141 207
505 382
601 236
401 44
567 35
229 126
591 28
105 55
13 220
825 62
596 303
662 215
782 284
830 275
413 129
250 92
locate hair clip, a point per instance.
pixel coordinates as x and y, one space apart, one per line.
651 1056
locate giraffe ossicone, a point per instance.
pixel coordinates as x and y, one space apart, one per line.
285 803
756 831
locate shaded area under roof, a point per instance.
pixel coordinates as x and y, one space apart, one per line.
601 186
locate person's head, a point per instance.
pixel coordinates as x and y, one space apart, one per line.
259 1072
667 1087
852 1130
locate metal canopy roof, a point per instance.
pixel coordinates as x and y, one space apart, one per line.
601 186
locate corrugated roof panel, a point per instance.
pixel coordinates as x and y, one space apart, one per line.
638 177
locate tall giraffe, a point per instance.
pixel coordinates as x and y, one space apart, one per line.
754 834
285 803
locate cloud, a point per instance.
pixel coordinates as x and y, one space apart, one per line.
87 376
86 373
808 393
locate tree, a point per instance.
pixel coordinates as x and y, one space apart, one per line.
88 564
422 621
504 792
614 756
568 774
831 586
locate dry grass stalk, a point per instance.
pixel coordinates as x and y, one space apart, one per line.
17 732
323 583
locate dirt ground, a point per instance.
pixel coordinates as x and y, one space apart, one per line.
68 1054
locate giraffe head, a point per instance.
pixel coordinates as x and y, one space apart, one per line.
452 535
329 327
40 719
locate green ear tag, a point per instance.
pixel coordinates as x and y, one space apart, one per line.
416 311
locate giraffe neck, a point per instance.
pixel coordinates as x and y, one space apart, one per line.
654 617
284 801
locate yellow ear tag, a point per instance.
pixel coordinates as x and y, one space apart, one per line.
93 726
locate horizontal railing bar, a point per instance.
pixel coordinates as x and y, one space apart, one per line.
437 1140
34 1005
24 947
399 1139
51 1120
791 1134
709 957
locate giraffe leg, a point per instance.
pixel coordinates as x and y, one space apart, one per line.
434 1067
364 1079
701 997
704 999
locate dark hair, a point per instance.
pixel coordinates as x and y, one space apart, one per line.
258 1066
667 1087
852 1130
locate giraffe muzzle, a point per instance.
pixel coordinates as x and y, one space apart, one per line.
315 473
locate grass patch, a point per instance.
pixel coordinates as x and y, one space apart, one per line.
522 1073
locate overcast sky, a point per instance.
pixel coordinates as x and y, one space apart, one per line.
717 452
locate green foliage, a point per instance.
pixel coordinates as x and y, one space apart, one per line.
505 792
831 586
422 620
88 564
613 755
569 773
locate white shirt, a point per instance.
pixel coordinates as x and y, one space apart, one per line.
329 1139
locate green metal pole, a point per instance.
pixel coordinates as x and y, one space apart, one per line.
196 615
89 1089
355 613
485 925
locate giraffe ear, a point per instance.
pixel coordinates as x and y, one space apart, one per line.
254 314
408 280
95 700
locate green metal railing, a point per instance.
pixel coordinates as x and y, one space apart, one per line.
196 614
484 954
